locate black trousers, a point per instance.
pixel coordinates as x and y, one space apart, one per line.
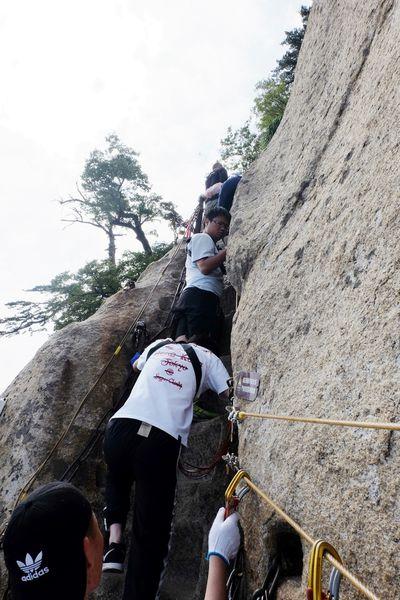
151 463
198 312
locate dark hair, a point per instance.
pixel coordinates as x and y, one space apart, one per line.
217 211
204 340
43 544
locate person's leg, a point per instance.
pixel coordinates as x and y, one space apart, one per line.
120 434
156 463
204 315
227 193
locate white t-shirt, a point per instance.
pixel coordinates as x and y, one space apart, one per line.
164 391
202 245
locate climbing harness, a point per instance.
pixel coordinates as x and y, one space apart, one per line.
201 471
318 550
303 534
268 589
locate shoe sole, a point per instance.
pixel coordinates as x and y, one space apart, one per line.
113 568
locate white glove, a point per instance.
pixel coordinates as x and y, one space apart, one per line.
224 536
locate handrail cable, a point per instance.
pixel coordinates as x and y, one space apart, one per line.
345 572
116 352
242 415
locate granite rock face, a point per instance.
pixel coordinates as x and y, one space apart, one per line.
314 254
41 401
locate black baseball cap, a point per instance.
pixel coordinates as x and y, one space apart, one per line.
43 544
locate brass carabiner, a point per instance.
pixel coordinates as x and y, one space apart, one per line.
230 490
318 550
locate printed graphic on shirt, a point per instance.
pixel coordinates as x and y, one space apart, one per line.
172 366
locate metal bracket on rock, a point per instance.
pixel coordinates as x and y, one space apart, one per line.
235 415
247 385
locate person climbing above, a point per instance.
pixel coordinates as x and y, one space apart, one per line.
223 546
214 182
53 546
198 310
142 444
227 193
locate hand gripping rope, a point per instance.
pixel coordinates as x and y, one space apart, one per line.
324 549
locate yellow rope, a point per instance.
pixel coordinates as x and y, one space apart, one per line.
241 415
116 352
345 572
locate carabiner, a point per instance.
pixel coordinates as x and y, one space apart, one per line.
334 584
266 592
320 547
232 501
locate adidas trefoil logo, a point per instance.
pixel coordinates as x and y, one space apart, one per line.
32 567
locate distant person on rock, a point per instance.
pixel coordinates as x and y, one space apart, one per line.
142 445
53 546
214 182
227 193
198 310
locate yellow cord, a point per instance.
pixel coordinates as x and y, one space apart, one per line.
241 415
345 572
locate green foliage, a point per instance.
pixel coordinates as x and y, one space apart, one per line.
294 39
73 297
269 106
116 194
240 147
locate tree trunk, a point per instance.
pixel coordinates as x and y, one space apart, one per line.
111 247
140 235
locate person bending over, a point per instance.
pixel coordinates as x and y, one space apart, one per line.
142 445
198 310
53 546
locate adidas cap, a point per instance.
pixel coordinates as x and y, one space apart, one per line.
43 544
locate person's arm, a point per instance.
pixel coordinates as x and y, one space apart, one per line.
216 582
223 545
207 265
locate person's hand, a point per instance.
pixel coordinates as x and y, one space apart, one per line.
224 536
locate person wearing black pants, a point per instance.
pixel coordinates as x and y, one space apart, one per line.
142 445
150 462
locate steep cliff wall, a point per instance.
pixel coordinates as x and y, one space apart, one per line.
314 252
42 399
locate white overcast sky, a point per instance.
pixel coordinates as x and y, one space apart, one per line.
168 77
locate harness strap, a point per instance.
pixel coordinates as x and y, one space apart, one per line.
191 354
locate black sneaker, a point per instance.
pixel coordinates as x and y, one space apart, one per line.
114 558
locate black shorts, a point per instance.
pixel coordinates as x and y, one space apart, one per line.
198 312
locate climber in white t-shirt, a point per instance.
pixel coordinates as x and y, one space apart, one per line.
142 445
